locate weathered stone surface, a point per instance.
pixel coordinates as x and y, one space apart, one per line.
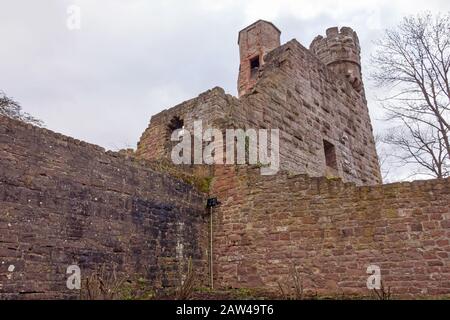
255 41
340 51
64 202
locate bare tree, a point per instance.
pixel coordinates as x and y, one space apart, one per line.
12 109
413 61
383 157
423 146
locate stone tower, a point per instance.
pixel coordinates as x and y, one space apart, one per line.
254 42
340 51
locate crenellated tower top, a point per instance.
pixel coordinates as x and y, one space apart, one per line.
341 52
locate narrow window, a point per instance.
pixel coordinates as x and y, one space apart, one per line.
254 65
175 123
330 154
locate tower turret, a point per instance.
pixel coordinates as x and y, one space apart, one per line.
341 52
254 42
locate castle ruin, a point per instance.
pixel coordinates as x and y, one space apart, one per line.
314 97
326 213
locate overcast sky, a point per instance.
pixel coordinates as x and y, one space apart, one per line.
134 58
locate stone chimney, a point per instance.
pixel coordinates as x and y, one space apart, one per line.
254 42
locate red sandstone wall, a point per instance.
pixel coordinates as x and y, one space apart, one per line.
64 202
331 231
211 107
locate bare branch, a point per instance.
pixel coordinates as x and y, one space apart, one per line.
413 61
12 109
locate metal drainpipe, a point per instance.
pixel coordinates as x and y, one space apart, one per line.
211 248
211 203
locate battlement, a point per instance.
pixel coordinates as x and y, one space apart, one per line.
341 52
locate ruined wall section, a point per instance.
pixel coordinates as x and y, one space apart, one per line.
212 108
331 232
65 202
